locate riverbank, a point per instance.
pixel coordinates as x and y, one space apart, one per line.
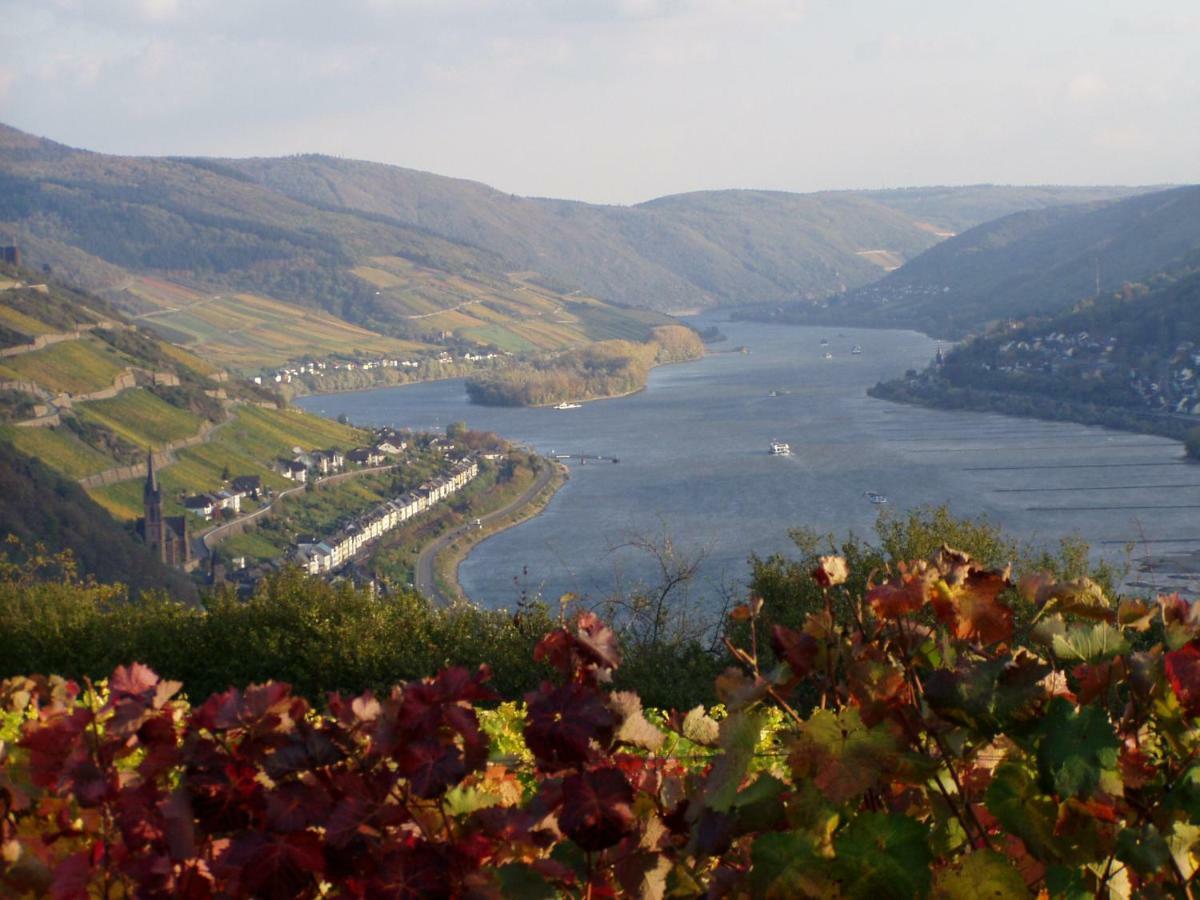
441 559
941 395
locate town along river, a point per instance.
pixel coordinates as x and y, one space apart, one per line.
695 468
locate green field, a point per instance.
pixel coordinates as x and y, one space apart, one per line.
77 367
18 321
141 418
59 449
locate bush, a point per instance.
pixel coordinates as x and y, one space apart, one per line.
928 745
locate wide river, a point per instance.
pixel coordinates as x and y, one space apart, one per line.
695 468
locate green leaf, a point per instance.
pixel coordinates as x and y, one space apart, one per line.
1090 644
1143 850
1014 799
840 755
982 874
738 738
1066 883
1076 748
520 881
880 855
758 806
785 864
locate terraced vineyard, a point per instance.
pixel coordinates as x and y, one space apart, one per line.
77 367
141 418
59 448
246 331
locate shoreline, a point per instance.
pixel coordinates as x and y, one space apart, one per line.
446 552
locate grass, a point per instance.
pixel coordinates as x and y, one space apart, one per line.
60 449
77 367
141 418
18 321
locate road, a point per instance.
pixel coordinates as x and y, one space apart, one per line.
424 580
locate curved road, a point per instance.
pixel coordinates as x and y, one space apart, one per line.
423 571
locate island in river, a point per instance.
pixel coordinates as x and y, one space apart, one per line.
601 370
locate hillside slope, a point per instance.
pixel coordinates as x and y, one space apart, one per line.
1038 262
1128 359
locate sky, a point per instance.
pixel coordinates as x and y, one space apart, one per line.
619 101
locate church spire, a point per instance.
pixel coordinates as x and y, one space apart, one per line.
151 477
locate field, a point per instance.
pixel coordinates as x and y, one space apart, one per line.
514 314
59 449
247 445
77 367
141 418
246 332
18 321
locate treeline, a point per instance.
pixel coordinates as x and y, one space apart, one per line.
320 637
603 369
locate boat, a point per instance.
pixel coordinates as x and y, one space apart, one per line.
828 355
875 498
779 448
824 342
856 349
566 405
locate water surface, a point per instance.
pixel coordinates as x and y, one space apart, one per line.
694 465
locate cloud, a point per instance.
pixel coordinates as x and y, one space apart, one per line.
1087 86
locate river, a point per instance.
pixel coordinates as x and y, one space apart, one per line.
694 465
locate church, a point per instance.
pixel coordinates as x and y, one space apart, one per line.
166 536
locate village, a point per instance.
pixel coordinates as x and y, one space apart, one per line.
1170 386
321 368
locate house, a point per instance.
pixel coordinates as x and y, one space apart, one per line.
293 469
391 448
328 461
248 485
200 504
231 500
365 456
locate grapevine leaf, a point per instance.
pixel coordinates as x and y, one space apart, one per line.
982 874
831 571
1143 849
739 736
700 728
840 755
798 649
1183 671
882 855
521 882
1076 748
1014 799
1089 643
970 605
566 725
1080 597
643 874
634 729
596 808
785 864
71 877
268 865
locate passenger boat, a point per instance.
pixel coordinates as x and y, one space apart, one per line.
875 498
566 405
856 349
779 448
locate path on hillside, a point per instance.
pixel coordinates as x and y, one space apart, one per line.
423 574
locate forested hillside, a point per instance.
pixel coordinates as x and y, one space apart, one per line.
1031 263
301 229
1130 358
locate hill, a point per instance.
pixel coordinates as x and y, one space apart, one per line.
1038 262
85 393
312 230
1130 358
210 258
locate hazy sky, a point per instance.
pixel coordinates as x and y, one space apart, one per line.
623 100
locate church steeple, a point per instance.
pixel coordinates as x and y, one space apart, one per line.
153 528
